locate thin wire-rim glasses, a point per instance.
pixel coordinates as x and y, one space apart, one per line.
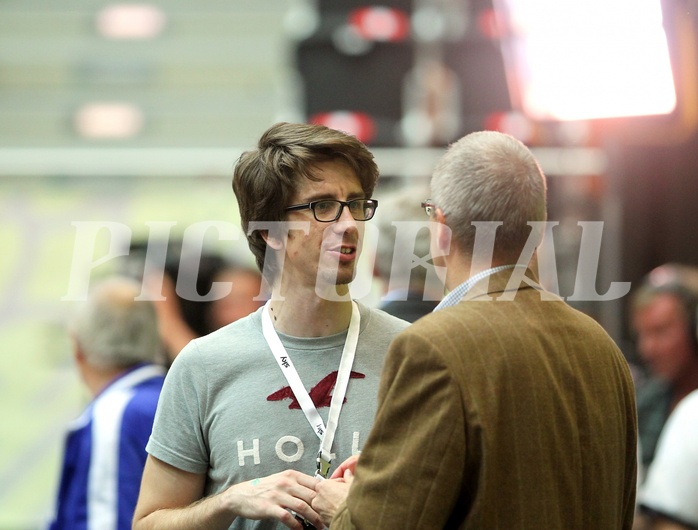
429 207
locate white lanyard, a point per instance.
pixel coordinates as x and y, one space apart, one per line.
325 434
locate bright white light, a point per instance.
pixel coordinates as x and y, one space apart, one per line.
130 21
572 60
108 120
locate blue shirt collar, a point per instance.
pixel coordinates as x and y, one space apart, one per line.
460 291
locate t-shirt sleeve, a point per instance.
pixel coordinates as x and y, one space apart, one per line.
671 487
178 436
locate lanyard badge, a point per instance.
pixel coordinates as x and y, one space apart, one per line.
323 466
325 434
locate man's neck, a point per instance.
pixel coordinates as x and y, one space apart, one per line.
97 379
303 314
460 267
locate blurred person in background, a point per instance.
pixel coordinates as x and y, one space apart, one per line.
115 343
668 499
663 317
182 318
251 412
407 293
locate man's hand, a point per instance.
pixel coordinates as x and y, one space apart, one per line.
346 468
274 497
330 494
172 499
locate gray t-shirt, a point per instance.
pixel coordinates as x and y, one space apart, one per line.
226 408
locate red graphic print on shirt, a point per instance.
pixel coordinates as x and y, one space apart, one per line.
321 394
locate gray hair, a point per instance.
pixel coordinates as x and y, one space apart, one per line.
113 329
493 177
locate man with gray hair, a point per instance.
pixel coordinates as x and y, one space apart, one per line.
505 408
115 342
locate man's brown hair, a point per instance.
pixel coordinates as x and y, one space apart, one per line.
265 178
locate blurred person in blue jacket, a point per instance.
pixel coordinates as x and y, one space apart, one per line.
115 342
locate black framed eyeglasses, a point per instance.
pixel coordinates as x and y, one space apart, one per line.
429 207
329 210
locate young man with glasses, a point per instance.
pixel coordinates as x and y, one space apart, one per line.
251 413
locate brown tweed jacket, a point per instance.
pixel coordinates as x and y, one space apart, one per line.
500 415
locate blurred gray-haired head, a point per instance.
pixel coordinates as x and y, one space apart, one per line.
675 279
112 329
